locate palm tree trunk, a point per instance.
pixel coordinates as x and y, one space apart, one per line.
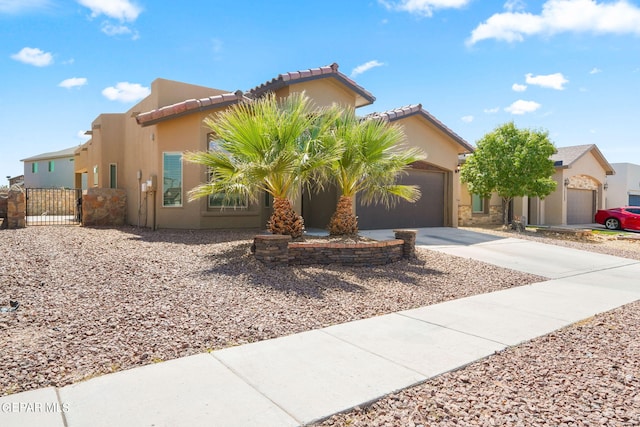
344 222
285 220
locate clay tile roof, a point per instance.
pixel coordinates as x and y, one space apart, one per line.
566 156
416 109
189 106
363 97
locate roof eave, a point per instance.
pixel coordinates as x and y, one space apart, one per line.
417 109
363 97
187 107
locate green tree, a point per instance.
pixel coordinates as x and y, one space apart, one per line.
272 145
372 160
511 162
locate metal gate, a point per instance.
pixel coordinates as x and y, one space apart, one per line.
53 206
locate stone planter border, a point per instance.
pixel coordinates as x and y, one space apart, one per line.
276 250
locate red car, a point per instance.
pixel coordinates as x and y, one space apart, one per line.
627 217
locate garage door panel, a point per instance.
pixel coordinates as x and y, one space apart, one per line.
426 212
580 206
634 200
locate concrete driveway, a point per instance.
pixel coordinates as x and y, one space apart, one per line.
549 261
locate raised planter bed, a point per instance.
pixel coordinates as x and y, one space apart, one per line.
275 250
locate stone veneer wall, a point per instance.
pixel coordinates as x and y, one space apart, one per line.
104 207
467 218
16 209
583 182
276 250
3 207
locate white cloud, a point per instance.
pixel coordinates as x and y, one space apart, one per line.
553 81
595 70
512 5
114 30
126 92
73 82
422 7
518 87
492 110
557 16
122 10
82 134
521 107
19 6
33 56
366 67
467 119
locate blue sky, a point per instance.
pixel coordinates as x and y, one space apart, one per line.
571 67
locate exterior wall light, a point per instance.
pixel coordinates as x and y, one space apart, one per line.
566 182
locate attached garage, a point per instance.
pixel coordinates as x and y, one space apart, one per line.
634 200
429 211
581 205
318 207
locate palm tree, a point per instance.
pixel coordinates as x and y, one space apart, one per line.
371 162
272 145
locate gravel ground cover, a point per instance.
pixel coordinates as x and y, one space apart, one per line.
95 301
587 374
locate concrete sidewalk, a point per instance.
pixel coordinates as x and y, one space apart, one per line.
305 377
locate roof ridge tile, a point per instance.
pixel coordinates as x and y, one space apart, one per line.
312 73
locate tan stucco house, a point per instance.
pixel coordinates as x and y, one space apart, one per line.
580 174
141 152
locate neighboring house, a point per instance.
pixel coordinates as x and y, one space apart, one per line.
16 180
50 170
624 187
142 149
581 174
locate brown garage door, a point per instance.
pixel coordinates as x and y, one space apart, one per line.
580 206
426 212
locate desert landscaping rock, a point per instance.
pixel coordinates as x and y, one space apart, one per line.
587 374
95 301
